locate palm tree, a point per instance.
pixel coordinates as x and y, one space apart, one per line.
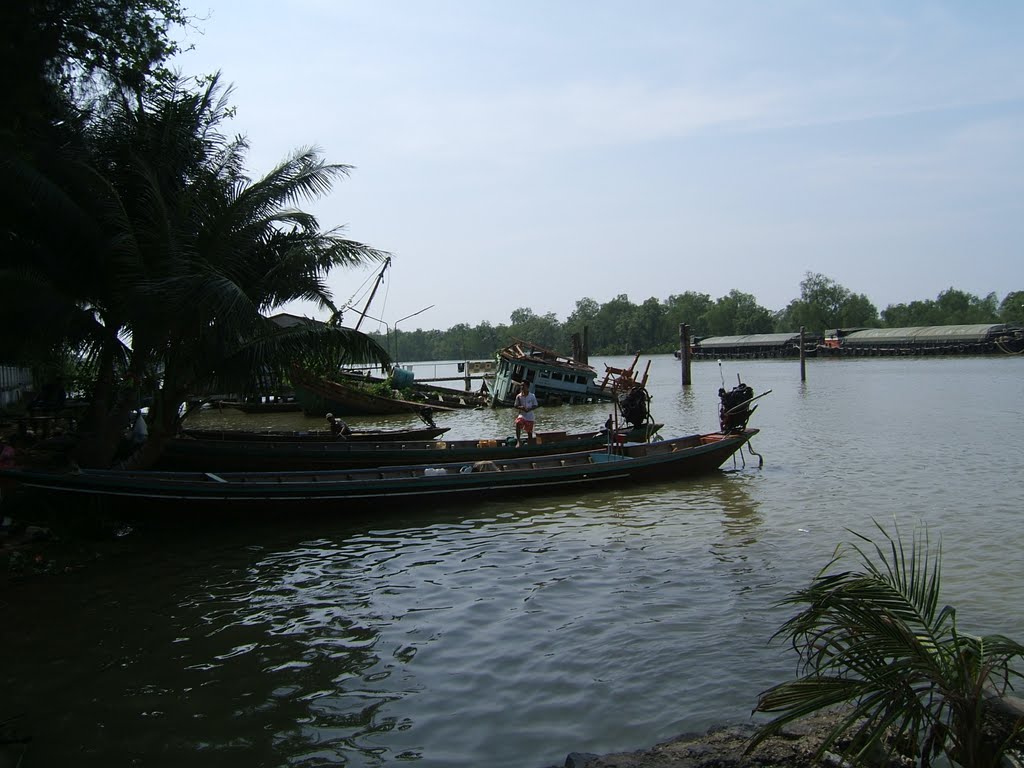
172 257
876 639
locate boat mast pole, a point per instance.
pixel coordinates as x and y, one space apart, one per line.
376 285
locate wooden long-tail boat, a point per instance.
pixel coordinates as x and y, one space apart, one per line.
342 492
314 435
214 455
320 396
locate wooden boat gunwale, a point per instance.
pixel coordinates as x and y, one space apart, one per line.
229 436
192 453
660 460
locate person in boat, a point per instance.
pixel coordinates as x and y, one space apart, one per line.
339 428
6 455
427 416
526 403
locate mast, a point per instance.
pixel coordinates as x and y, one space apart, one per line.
376 285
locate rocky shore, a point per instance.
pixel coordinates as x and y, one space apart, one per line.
723 747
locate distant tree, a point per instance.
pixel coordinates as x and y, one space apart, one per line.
858 311
543 330
690 308
962 308
1011 309
522 316
737 313
825 304
489 340
916 313
612 326
454 343
583 315
648 328
951 307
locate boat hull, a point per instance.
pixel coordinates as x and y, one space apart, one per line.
321 396
341 492
269 455
314 435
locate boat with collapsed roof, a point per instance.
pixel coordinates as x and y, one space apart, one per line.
556 379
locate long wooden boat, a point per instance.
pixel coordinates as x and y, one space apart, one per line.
314 435
340 492
320 396
266 455
271 406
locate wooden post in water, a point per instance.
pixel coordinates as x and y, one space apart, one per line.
469 381
684 352
803 363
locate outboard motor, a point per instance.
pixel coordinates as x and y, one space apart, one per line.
635 406
735 409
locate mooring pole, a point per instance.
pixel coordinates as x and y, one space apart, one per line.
684 352
469 381
803 364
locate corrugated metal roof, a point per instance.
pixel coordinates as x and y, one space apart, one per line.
750 340
932 334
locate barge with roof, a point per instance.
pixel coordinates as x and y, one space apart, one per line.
972 339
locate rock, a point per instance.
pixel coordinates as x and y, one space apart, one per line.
723 747
580 759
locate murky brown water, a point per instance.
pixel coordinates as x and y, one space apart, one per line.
512 634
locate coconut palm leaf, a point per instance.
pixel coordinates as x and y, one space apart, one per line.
877 641
148 231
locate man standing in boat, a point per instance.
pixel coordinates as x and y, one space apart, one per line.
526 403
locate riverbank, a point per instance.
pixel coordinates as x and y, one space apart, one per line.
795 747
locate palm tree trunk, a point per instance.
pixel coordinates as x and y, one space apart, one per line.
107 418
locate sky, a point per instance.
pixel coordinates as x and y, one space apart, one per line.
533 153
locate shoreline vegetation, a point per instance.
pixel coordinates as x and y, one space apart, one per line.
620 326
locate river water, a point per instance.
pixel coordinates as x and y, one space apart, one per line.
513 633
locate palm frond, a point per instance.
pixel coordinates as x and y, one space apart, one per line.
876 640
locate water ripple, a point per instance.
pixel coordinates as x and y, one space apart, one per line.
518 631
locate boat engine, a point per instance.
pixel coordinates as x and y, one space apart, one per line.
735 409
635 406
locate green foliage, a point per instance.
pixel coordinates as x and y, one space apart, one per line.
879 640
620 327
1011 310
125 42
737 313
824 305
147 247
951 307
63 58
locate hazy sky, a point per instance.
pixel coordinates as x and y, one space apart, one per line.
530 154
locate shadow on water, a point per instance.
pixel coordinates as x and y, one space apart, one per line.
312 640
516 631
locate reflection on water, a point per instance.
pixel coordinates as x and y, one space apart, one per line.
518 631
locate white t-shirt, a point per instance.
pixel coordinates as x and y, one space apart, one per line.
528 400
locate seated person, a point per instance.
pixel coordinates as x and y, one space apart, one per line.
339 428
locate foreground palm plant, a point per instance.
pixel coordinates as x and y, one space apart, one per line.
877 642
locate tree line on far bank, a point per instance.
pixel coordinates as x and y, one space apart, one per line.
621 327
